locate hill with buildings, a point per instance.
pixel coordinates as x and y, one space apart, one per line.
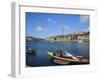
84 36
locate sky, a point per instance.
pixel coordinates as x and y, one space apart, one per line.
42 25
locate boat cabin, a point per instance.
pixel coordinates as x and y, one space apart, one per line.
59 53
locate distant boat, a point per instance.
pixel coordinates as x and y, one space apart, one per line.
31 51
80 41
51 41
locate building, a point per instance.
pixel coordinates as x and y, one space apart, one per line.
71 37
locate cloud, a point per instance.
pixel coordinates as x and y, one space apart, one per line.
87 29
41 29
51 21
84 18
54 22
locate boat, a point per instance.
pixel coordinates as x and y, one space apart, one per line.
80 41
51 41
31 51
68 58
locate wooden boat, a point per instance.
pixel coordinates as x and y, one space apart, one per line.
31 51
69 58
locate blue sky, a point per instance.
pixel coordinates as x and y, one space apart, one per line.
42 25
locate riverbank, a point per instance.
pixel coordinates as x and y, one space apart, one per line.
80 41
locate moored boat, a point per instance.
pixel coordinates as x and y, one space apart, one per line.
31 51
59 58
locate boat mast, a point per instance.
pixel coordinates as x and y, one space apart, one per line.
63 37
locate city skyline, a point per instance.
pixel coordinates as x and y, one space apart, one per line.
42 25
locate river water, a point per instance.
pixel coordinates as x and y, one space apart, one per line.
42 47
